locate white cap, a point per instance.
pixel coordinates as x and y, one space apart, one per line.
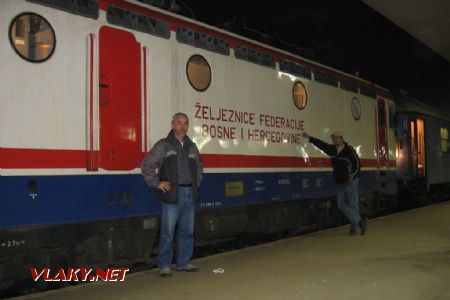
337 133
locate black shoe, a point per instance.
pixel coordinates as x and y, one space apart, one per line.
363 225
352 232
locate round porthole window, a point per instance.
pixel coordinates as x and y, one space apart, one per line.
299 95
356 108
198 73
32 37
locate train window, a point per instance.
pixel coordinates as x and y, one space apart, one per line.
349 86
444 140
421 155
325 78
254 56
295 69
128 19
85 8
299 95
201 40
32 37
356 108
367 91
268 60
198 72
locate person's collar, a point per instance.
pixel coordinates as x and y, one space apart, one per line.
340 147
173 140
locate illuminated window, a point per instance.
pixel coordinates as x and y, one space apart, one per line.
421 148
198 72
299 95
444 140
32 37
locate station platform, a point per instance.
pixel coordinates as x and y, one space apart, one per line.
403 256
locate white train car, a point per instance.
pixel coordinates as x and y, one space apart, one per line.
87 87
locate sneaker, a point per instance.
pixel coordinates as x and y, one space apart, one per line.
187 268
352 232
165 272
363 225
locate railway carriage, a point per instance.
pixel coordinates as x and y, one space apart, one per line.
423 162
89 86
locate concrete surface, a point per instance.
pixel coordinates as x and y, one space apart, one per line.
403 256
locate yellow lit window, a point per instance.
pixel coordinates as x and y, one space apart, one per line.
444 140
32 37
198 72
299 95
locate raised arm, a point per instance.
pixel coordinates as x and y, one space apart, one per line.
329 149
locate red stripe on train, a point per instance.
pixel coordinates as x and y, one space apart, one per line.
11 158
17 158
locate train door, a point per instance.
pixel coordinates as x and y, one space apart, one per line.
382 144
417 147
120 100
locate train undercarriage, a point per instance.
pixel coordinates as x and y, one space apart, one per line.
132 242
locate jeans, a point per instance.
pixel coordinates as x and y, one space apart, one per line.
348 200
179 216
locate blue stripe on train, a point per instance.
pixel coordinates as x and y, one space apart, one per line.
81 198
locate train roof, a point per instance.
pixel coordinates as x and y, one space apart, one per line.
408 104
235 38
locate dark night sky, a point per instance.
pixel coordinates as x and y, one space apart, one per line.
346 34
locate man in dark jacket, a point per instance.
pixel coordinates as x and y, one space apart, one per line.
179 176
346 169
